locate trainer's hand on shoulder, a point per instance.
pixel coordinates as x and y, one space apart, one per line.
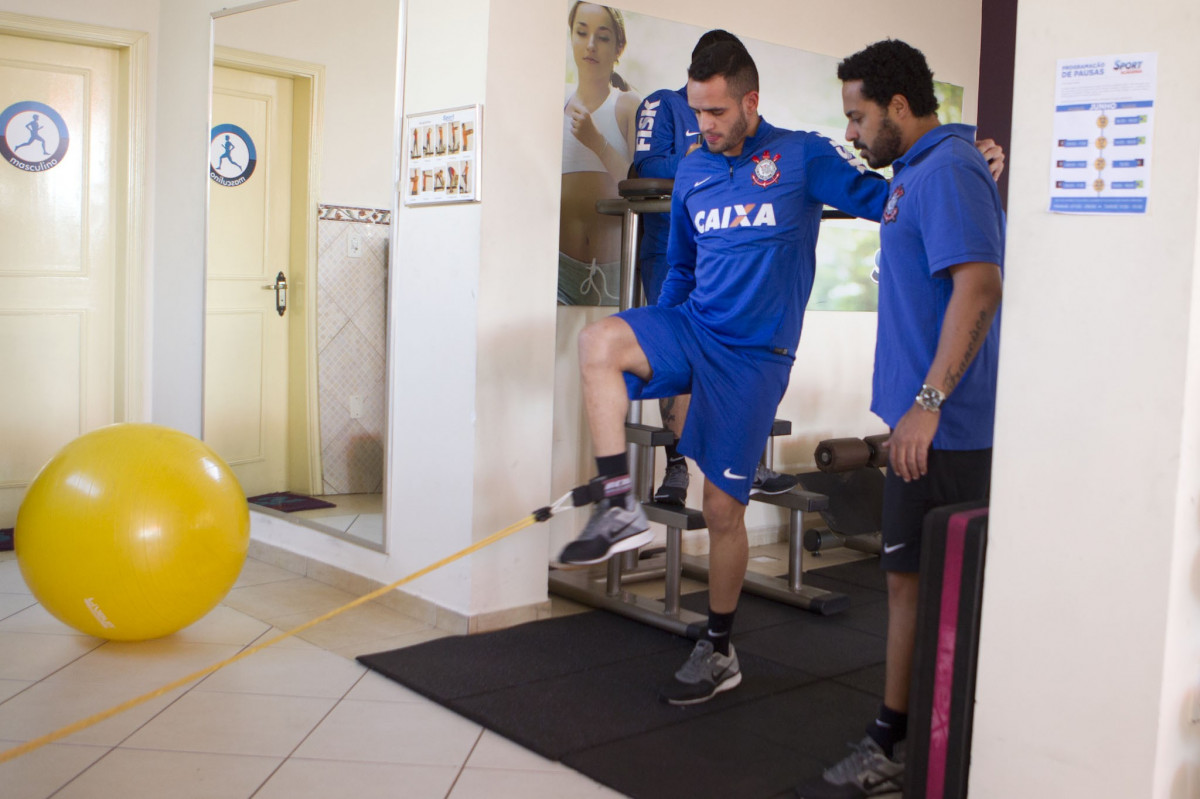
908 446
994 154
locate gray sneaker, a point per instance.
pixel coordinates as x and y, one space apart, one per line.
673 490
706 674
617 525
866 771
769 482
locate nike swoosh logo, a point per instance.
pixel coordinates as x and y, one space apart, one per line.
702 182
692 133
893 547
733 476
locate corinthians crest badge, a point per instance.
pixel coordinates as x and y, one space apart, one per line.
892 209
765 170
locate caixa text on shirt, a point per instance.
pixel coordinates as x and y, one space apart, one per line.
735 216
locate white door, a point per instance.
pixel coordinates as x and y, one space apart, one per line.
246 339
60 230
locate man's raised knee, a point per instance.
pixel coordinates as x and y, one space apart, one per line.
596 341
610 343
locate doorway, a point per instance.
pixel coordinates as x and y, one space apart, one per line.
70 283
249 309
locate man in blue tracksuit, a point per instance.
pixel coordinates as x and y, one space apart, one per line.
745 213
936 353
667 130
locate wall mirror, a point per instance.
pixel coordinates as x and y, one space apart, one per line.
302 159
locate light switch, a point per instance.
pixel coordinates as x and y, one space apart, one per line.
356 407
354 247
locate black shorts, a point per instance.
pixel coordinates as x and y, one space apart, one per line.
954 476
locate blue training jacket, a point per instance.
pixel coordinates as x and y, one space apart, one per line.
664 121
744 230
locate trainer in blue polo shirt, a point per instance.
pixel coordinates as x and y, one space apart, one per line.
943 210
940 282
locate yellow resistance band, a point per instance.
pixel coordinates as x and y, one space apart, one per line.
9 754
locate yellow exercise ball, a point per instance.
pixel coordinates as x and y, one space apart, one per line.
132 531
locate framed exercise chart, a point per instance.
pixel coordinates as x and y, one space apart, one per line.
442 156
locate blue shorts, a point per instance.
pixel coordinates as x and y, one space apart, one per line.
735 393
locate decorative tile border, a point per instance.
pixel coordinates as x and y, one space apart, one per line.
342 213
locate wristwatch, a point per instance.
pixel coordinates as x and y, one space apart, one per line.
930 398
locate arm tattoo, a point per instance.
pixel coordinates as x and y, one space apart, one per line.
978 333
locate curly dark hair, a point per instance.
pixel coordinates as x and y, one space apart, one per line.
889 68
730 60
711 38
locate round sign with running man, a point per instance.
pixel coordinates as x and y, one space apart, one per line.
231 155
33 136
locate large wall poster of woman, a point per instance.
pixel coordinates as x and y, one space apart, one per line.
799 90
598 132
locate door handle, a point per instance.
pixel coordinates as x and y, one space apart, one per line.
280 289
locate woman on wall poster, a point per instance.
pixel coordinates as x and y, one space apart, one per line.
598 136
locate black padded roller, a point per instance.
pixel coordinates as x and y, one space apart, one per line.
842 454
879 456
815 538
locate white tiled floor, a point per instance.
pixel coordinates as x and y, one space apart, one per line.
299 719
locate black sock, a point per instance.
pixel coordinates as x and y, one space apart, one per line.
613 465
672 454
720 625
889 728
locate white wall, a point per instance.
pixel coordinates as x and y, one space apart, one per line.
356 42
1177 767
434 318
1091 621
514 396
